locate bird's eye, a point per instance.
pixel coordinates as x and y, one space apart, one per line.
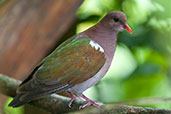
116 19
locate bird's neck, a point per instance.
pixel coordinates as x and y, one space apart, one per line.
104 37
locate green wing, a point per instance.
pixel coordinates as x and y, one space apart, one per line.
73 62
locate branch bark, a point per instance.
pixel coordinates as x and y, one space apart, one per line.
52 103
121 109
59 104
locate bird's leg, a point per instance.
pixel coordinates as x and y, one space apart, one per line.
73 97
89 102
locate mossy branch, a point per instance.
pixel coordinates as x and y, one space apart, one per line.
121 109
59 104
52 103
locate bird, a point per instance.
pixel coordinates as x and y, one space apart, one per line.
75 65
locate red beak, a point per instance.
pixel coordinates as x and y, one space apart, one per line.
128 28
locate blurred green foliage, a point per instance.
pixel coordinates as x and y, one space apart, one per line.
10 110
142 63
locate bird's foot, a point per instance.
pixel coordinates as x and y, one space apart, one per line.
73 97
89 102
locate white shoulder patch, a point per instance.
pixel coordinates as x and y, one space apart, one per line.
96 46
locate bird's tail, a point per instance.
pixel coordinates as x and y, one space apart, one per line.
16 101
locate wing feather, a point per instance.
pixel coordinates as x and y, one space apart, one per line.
74 63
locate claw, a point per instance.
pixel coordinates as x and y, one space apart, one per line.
84 105
70 102
73 97
89 102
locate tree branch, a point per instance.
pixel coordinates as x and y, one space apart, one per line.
121 109
52 103
59 104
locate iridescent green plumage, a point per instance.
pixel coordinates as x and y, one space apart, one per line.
73 62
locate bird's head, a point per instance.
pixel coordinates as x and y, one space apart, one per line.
116 21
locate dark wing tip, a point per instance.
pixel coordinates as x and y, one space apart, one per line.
16 102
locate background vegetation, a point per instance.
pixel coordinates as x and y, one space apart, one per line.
142 63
